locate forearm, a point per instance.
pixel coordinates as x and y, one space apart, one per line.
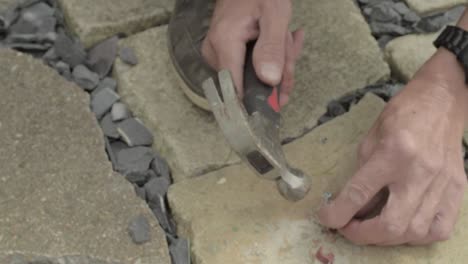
444 69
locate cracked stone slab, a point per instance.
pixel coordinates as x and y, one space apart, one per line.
95 20
58 194
427 7
335 61
408 53
238 218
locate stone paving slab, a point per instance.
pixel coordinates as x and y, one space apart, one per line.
408 53
95 20
188 137
427 7
233 217
336 60
59 197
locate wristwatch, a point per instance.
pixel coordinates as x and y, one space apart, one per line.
455 40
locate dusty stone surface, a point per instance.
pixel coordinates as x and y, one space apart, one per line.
6 3
52 205
335 60
426 7
96 20
408 53
233 217
190 138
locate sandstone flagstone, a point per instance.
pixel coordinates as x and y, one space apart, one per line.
96 20
336 60
233 217
408 53
425 7
60 200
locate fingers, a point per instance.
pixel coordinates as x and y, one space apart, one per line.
358 192
448 210
270 50
294 45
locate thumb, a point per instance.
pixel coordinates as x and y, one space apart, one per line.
270 50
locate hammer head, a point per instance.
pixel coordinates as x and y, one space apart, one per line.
254 137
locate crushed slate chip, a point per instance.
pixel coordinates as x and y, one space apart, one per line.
63 69
135 159
109 128
140 192
180 250
139 230
134 133
69 50
107 82
159 210
120 112
139 177
156 188
102 56
85 78
160 167
128 56
102 102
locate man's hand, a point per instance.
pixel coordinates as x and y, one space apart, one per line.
236 22
414 152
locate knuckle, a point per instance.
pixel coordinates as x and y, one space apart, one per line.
418 229
394 228
401 143
358 193
217 34
442 232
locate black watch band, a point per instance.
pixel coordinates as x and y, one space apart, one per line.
455 40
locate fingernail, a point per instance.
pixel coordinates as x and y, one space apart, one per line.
271 72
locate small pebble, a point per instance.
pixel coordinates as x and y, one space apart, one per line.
128 56
120 112
160 166
109 128
69 50
180 250
136 159
107 82
102 56
139 230
134 133
85 78
102 102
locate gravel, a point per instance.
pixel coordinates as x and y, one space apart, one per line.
102 56
139 230
132 160
128 56
134 133
69 50
109 127
102 102
85 78
120 112
180 250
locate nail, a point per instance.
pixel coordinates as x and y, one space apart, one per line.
271 72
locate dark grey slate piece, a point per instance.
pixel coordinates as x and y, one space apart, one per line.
102 56
109 128
37 11
160 167
120 112
134 133
455 13
69 50
431 24
22 26
118 145
128 56
140 178
387 29
63 69
384 12
50 56
30 47
139 230
155 188
180 250
335 109
384 40
9 16
102 102
105 83
85 78
110 152
159 210
135 159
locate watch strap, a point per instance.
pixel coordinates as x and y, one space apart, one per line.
455 40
